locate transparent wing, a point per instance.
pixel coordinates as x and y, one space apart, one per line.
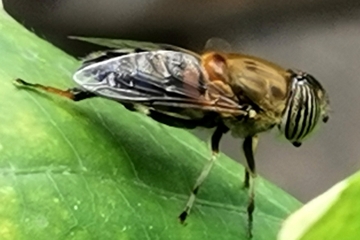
218 45
134 46
164 80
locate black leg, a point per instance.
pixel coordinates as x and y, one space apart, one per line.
249 147
74 94
246 179
215 140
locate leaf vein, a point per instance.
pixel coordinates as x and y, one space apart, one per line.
44 111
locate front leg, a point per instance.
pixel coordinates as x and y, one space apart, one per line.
74 94
249 148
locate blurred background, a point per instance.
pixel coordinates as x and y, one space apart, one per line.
321 37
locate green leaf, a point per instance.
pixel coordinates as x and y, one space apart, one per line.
93 170
332 215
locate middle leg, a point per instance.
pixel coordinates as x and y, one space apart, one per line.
249 148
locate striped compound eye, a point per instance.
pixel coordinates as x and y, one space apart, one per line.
307 103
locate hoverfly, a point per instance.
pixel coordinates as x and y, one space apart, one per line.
243 94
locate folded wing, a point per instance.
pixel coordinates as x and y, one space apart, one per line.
170 82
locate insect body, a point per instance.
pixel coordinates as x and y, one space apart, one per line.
229 92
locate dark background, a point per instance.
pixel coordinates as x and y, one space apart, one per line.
321 37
